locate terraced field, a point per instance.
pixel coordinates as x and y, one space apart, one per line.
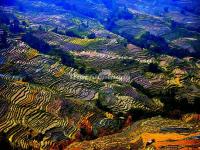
99 75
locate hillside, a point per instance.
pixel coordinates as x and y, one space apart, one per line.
99 74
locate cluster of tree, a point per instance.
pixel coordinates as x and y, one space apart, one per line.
3 38
45 48
116 14
4 18
15 26
4 142
66 58
154 68
146 40
12 22
72 33
80 32
36 43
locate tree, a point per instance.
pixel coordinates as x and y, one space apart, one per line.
92 36
55 30
40 28
154 68
24 23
